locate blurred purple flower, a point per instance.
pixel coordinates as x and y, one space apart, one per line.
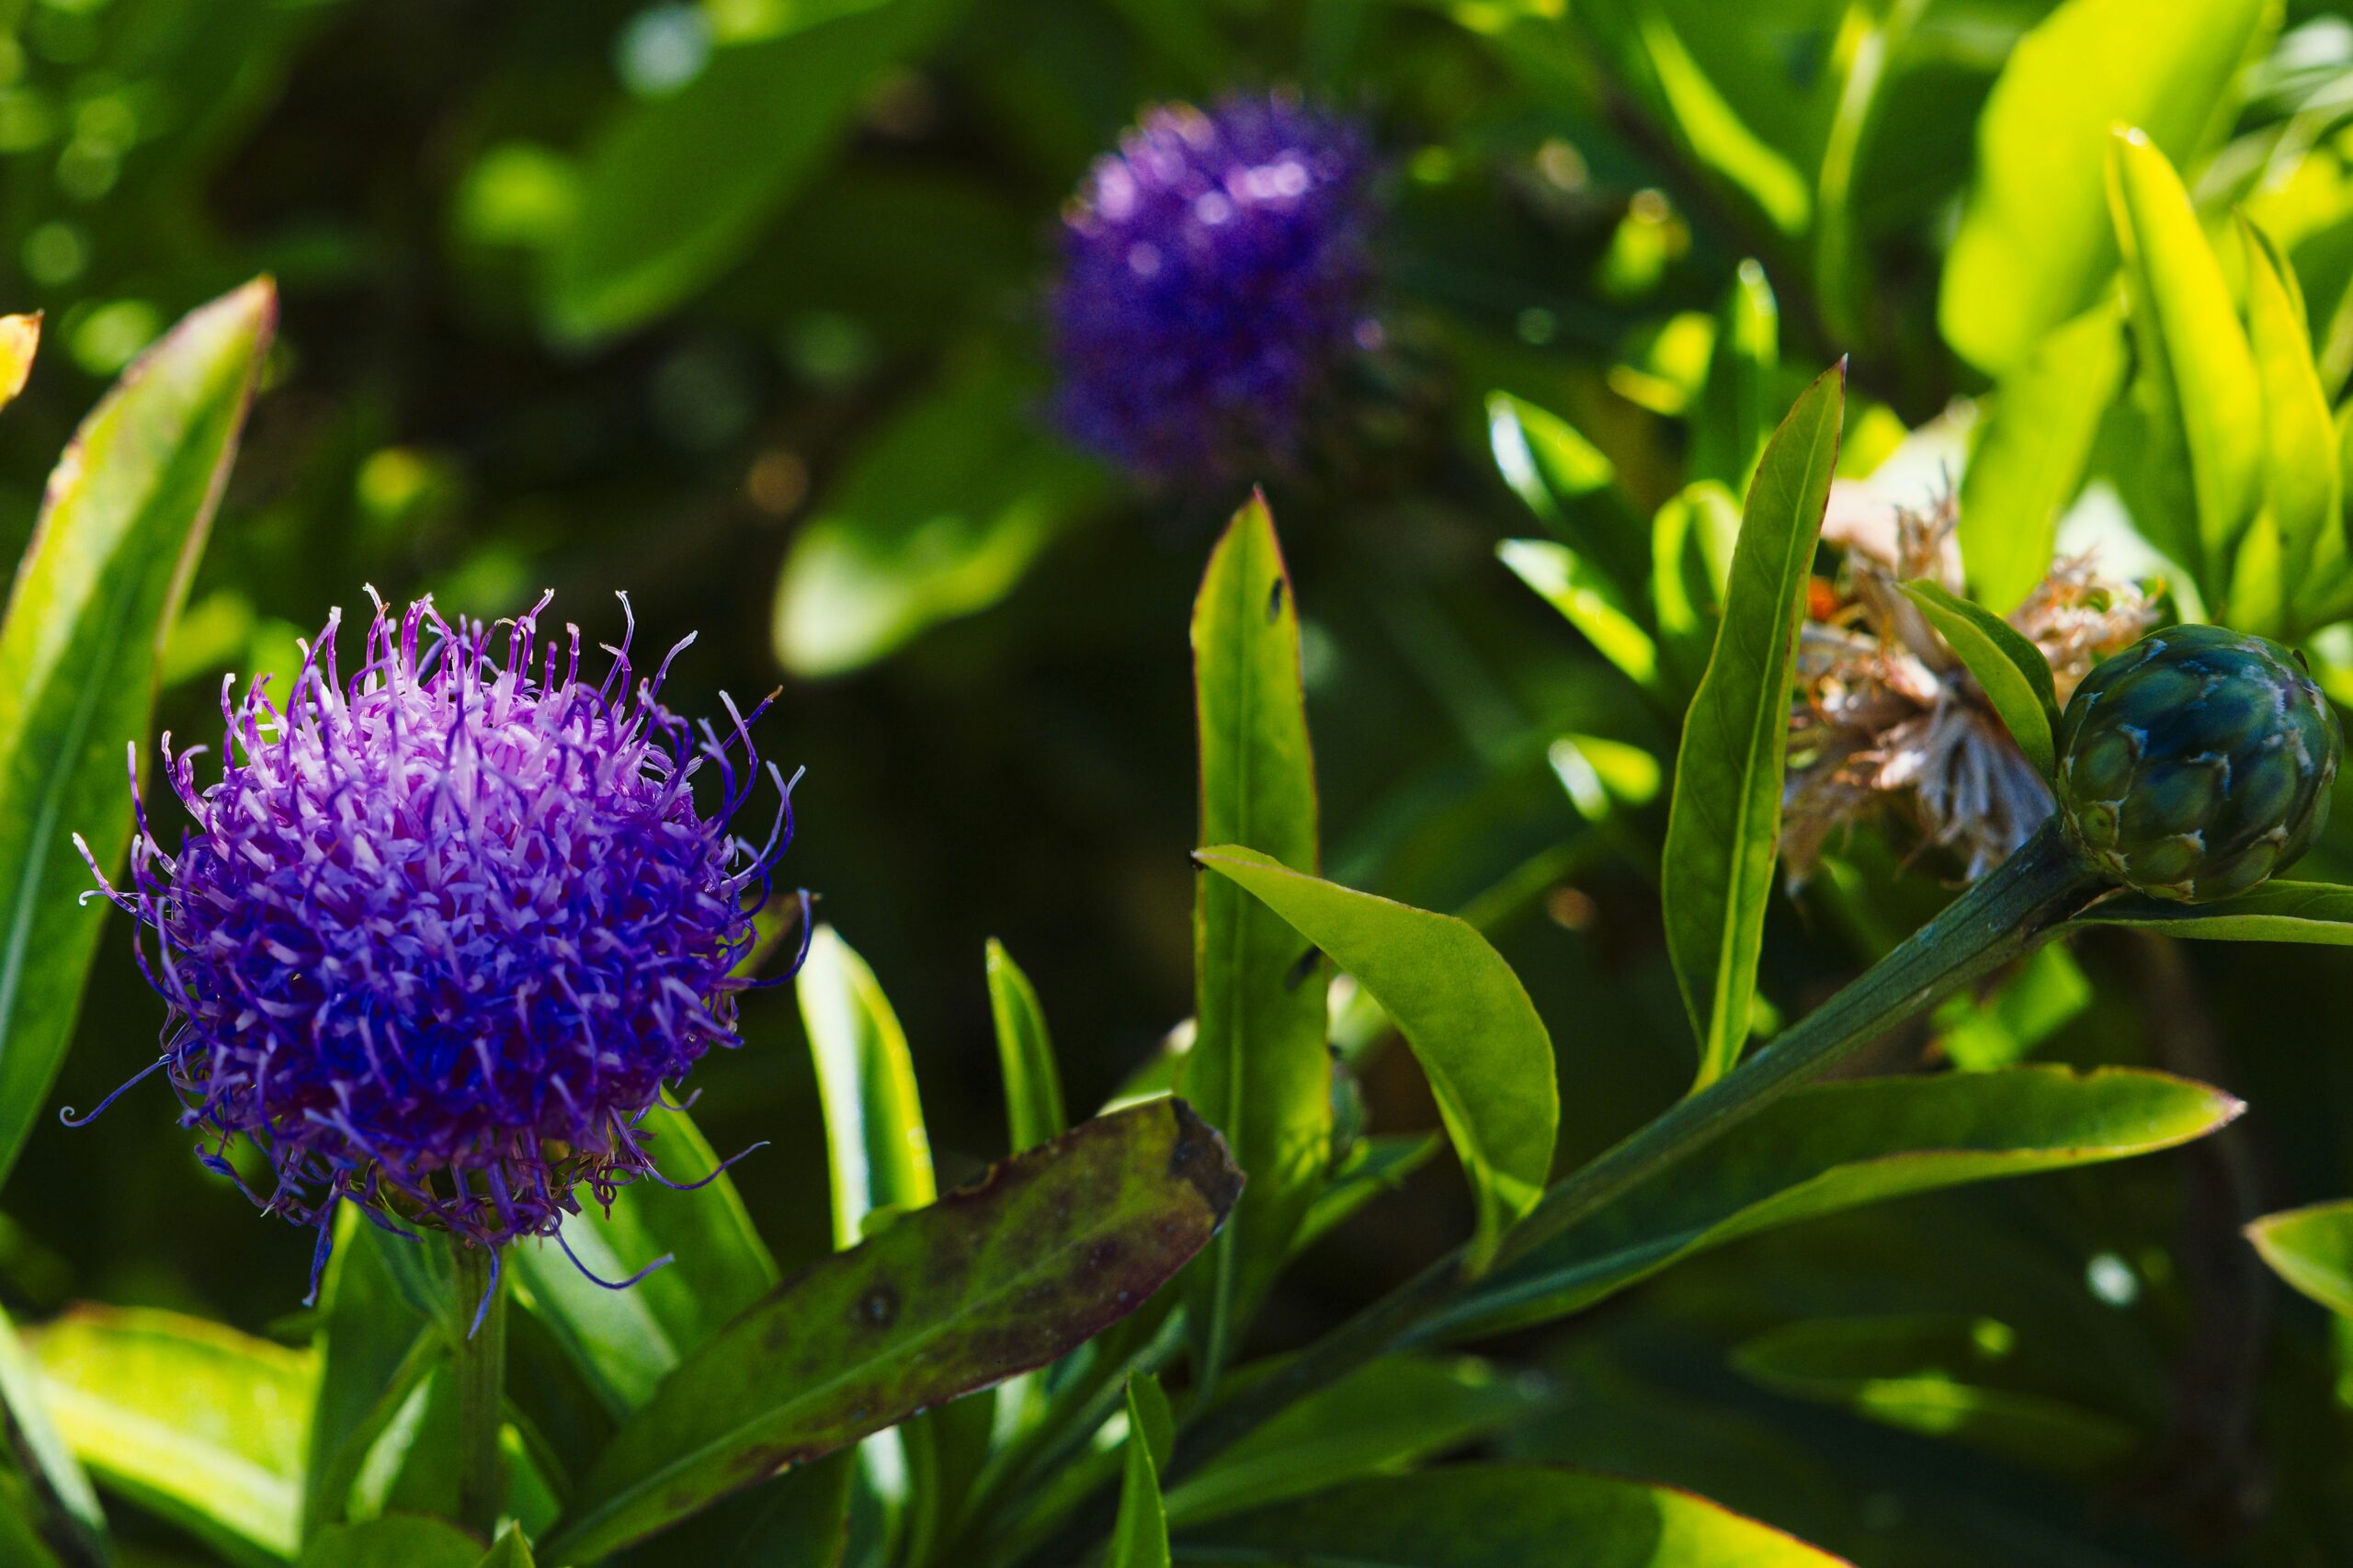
442 937
1215 274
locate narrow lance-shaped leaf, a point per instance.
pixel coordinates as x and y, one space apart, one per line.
1464 1013
120 528
1838 1146
2197 369
2314 914
1587 600
880 1157
875 1142
1260 1070
1735 414
1725 821
1033 1084
375 1348
50 1478
1140 1538
190 1420
2304 485
2312 1249
1462 1515
1053 1246
2012 671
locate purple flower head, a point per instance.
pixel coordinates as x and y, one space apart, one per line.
440 935
1215 274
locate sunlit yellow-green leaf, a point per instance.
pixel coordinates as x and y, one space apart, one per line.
202 1425
2034 249
2313 1250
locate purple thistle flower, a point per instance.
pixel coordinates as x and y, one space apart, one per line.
1215 274
440 936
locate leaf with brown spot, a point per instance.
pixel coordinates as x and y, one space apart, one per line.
991 1280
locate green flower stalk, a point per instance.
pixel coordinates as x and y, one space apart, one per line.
2194 766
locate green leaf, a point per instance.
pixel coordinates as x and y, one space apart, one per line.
2312 1249
401 1541
875 1142
1384 1417
1464 1013
2032 251
45 1464
2315 914
1259 1071
2197 369
625 1341
1725 821
1980 1034
1500 1516
192 1421
880 1158
120 528
375 1348
1052 1247
1714 131
1838 1146
1587 600
2012 671
19 341
1139 1539
1735 418
2030 459
661 213
2305 486
939 515
509 1551
1941 1375
1033 1084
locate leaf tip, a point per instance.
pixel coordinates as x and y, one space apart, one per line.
1200 1158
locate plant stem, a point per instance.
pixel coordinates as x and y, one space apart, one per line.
2021 904
478 1363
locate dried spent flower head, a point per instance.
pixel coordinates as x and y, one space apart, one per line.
1888 718
440 936
1214 281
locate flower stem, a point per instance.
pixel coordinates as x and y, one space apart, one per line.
478 1328
2021 904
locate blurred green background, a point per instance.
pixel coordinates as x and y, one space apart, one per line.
735 307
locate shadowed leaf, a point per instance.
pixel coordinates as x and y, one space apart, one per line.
2312 1249
1837 1146
1500 1516
1053 1246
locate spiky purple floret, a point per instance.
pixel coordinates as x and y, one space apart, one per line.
1216 274
440 936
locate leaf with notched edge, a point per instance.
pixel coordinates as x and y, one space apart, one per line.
1054 1246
